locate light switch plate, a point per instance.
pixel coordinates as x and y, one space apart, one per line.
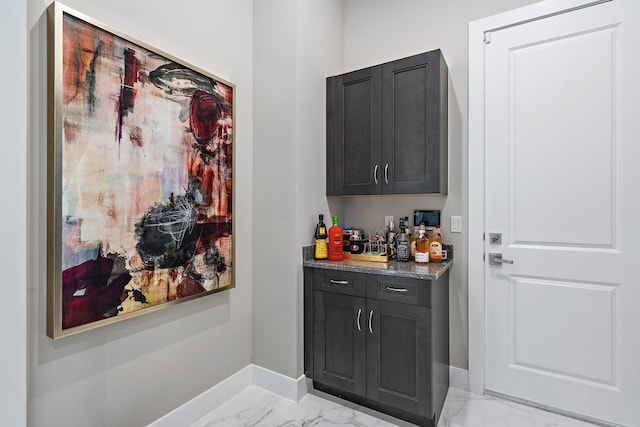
456 224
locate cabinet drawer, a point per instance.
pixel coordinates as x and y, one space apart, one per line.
340 282
399 289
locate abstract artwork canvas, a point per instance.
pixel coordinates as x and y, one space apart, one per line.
140 183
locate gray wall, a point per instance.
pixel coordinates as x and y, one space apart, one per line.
274 153
381 30
133 372
296 45
13 213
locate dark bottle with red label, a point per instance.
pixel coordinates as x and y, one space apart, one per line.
335 241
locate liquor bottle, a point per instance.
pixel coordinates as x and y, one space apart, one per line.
402 243
435 246
422 246
413 237
335 241
321 250
391 241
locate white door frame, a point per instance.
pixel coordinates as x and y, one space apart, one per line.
476 172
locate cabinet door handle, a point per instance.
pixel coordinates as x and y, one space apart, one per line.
375 174
370 316
386 173
359 313
392 289
339 282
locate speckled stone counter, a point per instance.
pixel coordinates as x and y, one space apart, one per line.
431 271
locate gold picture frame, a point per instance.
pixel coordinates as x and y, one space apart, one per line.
140 190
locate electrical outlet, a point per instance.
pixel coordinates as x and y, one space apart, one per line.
387 219
456 224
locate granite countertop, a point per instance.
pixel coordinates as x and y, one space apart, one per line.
431 271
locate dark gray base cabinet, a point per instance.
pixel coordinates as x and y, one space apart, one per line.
380 341
387 128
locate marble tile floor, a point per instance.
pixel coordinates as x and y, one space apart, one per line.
256 407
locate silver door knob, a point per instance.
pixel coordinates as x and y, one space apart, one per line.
496 259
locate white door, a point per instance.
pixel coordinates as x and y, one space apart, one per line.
563 189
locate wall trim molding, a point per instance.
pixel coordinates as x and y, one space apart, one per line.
192 411
458 378
293 389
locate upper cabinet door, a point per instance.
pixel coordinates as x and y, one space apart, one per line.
414 125
354 108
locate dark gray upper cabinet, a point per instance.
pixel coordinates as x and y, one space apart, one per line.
387 128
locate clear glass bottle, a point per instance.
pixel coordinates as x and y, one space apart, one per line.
412 242
391 241
422 246
435 246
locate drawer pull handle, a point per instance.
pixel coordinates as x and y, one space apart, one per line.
359 313
392 289
339 282
370 316
375 174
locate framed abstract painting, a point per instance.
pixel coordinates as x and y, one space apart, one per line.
140 177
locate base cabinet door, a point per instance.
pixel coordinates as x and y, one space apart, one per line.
398 357
339 341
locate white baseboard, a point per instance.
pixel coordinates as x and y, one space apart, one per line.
458 378
279 384
198 407
293 389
